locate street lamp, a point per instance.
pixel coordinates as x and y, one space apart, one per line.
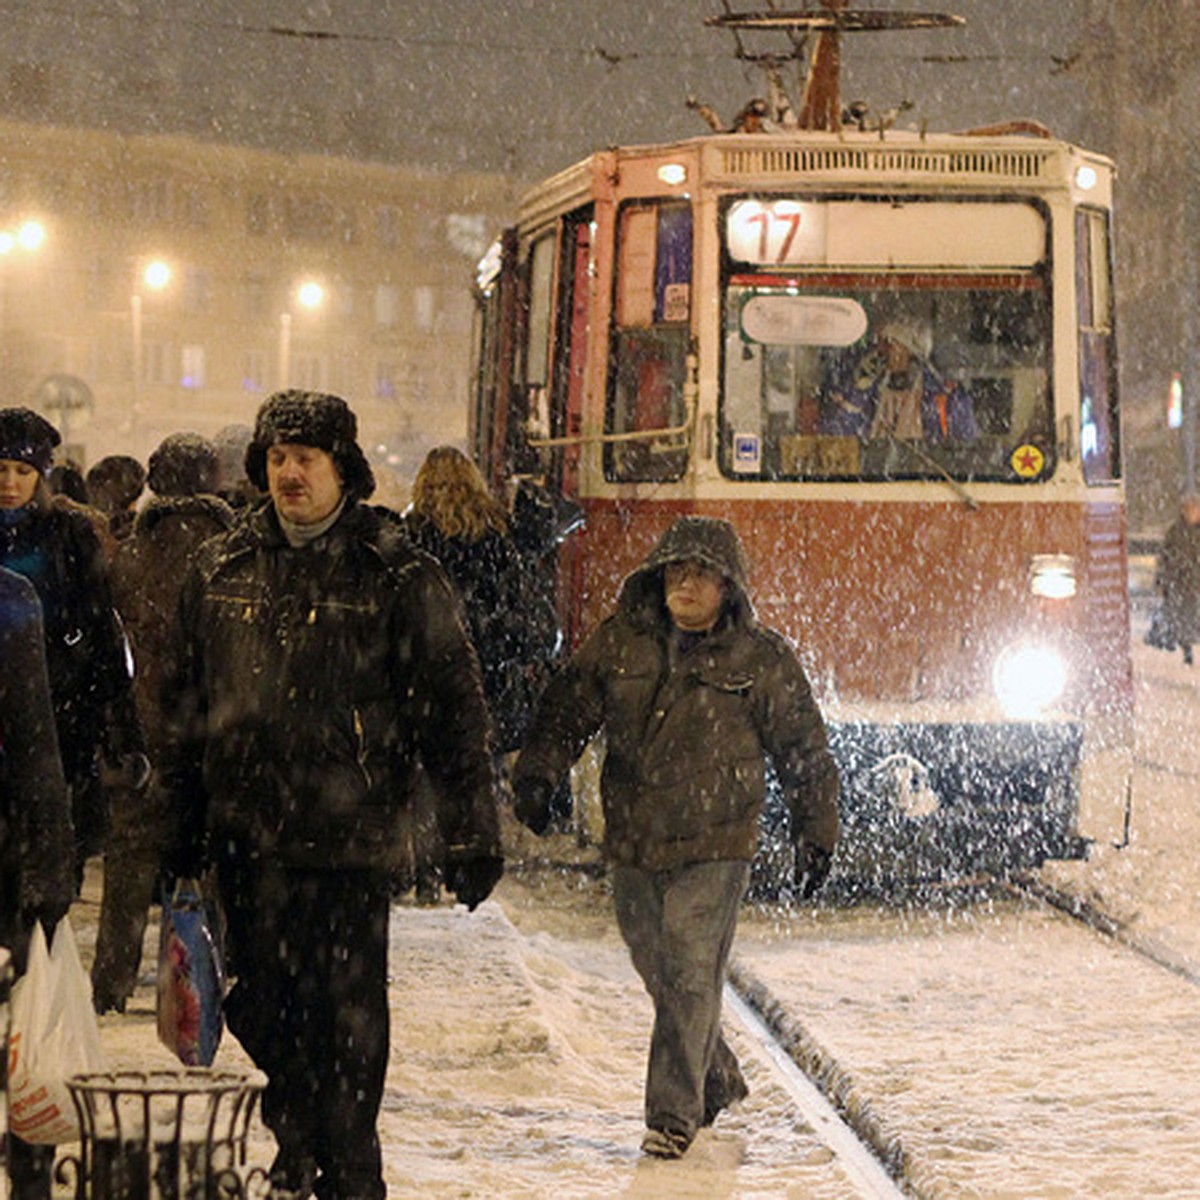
155 275
309 295
28 237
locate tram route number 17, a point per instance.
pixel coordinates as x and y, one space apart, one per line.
776 231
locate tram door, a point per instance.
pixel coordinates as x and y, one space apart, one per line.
564 413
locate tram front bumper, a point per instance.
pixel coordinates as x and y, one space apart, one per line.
944 801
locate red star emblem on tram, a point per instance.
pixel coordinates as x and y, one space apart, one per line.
1027 461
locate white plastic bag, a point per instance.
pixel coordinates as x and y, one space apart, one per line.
54 1035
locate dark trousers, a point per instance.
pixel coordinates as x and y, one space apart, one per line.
309 952
679 926
131 867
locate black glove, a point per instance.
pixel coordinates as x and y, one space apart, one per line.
130 770
811 869
531 803
472 879
46 897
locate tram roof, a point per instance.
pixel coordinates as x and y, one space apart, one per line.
894 159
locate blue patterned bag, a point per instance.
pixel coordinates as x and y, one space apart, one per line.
191 976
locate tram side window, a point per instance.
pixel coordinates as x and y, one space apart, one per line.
1099 431
534 368
649 344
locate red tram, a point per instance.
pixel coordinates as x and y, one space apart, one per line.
888 357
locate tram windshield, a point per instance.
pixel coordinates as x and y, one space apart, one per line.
877 341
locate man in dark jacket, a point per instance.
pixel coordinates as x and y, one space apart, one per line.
693 696
1179 576
318 651
148 569
36 874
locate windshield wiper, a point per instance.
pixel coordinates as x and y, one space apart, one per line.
924 457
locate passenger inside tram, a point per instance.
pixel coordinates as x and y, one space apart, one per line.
895 391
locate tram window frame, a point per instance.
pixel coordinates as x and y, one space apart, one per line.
649 338
1099 401
1018 402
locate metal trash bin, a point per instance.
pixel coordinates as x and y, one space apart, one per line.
162 1135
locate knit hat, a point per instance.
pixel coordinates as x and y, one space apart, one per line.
311 419
27 437
912 333
184 464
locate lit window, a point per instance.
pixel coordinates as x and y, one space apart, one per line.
387 304
385 380
192 363
254 371
423 308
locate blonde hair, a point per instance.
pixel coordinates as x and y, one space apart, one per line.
450 492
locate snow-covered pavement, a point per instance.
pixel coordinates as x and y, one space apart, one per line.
520 1032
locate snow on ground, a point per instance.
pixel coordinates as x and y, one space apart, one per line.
520 1032
519 1036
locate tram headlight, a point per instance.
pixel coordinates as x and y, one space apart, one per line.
1052 576
1028 679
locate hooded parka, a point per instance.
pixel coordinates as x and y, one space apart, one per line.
688 731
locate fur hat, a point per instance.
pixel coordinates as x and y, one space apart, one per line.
27 437
311 419
184 464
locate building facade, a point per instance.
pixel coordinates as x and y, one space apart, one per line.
177 282
1142 63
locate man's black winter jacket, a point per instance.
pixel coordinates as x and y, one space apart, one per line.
304 680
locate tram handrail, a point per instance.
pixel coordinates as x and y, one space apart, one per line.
691 393
633 435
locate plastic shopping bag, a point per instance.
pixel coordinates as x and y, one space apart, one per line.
191 976
54 1036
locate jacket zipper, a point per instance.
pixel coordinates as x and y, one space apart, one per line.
360 734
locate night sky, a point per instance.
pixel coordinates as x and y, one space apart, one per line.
526 86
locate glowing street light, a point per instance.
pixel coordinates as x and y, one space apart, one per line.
155 275
310 295
30 235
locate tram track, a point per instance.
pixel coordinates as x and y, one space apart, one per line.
871 1173
869 1144
869 1149
1091 915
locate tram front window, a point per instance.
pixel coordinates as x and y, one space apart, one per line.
880 338
900 379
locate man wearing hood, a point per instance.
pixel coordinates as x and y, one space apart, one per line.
694 697
319 652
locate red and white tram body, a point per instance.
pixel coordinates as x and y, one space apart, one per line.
711 326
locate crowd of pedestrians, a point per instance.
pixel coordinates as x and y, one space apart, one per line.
230 664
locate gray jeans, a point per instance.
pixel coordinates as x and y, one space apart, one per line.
679 927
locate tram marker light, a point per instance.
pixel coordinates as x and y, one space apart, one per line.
672 174
1086 177
1175 402
1052 576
